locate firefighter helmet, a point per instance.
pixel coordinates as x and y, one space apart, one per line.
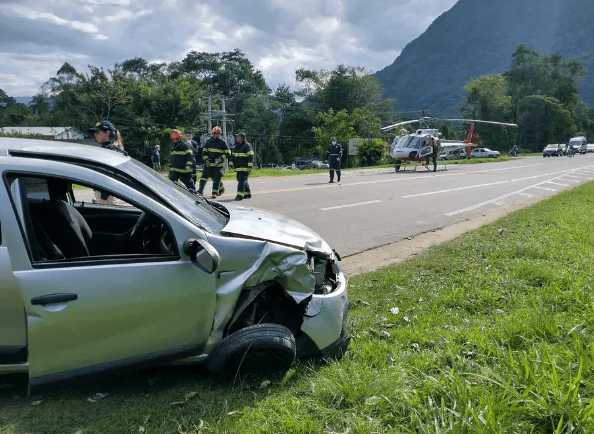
216 130
175 134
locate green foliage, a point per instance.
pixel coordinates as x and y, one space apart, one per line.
371 152
539 93
343 88
339 125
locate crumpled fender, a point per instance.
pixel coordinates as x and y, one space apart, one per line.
271 262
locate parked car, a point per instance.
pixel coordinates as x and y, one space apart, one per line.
553 150
161 274
452 154
590 147
484 153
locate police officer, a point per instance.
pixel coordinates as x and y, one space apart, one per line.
214 154
243 162
194 145
333 156
182 160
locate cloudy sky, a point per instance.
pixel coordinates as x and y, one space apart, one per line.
277 36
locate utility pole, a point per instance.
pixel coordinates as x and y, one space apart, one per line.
224 118
209 114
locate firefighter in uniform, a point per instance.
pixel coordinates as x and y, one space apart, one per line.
214 154
243 162
182 160
334 155
189 135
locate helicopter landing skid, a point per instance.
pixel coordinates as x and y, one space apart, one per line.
404 165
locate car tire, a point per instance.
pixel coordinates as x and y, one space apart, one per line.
255 350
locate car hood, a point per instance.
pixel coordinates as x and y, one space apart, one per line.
258 224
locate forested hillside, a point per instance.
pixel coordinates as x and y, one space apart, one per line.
478 37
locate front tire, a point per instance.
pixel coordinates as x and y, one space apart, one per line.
255 350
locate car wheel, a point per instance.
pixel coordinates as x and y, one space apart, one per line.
254 350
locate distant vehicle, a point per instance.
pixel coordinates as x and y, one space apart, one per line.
452 154
552 150
317 164
416 146
579 144
484 153
590 147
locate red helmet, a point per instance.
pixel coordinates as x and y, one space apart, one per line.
175 134
216 130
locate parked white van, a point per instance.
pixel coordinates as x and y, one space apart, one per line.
579 143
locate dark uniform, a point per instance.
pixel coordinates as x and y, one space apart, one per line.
214 154
182 161
243 162
194 146
435 146
334 155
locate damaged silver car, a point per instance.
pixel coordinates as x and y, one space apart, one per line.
152 275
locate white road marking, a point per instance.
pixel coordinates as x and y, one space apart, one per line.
499 203
350 205
526 194
507 195
548 189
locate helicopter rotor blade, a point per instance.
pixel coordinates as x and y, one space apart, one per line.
484 122
391 127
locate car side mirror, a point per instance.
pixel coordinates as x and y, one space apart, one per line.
202 255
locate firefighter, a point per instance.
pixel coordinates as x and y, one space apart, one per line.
243 162
333 157
214 154
189 135
182 160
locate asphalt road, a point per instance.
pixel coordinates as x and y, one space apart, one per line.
375 207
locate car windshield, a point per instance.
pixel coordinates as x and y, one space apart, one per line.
194 208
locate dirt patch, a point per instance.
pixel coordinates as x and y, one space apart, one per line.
394 253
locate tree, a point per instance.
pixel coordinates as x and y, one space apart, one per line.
543 120
343 88
487 99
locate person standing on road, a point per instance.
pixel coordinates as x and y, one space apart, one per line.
182 160
109 138
243 162
194 145
156 158
434 151
333 157
214 154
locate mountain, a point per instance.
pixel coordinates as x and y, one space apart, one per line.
478 37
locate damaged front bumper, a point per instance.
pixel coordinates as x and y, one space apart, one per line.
324 323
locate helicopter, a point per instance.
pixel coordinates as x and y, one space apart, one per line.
417 146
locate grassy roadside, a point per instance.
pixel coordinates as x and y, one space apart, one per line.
492 333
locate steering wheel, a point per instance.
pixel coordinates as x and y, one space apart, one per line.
152 235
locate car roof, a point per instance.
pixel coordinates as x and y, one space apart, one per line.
54 150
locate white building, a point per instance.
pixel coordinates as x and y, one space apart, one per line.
54 133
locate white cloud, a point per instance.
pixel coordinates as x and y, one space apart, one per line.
277 36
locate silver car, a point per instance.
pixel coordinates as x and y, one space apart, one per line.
106 265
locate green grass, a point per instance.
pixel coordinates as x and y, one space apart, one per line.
493 333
